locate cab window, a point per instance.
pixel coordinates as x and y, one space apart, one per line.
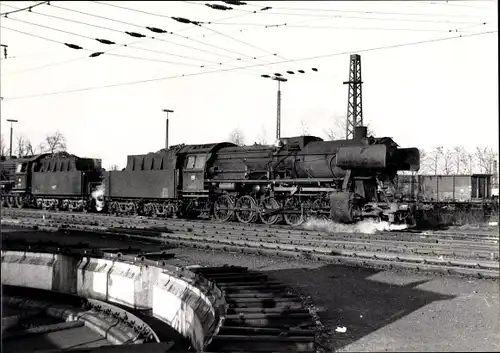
21 168
190 162
200 162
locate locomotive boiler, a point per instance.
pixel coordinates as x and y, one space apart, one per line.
345 179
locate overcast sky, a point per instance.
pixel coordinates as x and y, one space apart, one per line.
443 92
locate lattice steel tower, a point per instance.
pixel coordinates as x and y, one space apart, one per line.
355 98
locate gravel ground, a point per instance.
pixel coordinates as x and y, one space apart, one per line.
380 310
383 310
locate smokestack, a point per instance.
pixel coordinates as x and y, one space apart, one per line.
360 132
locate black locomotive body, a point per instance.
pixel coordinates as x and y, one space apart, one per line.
345 180
304 176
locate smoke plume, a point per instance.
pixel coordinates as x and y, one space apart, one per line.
365 227
98 196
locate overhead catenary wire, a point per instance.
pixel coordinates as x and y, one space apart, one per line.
166 16
164 40
272 12
451 4
87 56
199 23
137 26
354 28
106 51
27 8
127 45
373 12
400 45
96 53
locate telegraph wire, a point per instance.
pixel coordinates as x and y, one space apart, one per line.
400 45
29 8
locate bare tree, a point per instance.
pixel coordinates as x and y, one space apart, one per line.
237 137
113 167
3 147
21 147
24 147
433 158
486 158
448 162
463 160
426 165
54 143
262 139
338 129
30 150
304 128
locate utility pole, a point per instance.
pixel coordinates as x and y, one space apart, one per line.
166 132
277 77
11 121
278 113
354 100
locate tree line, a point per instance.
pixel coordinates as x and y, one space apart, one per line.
436 161
23 147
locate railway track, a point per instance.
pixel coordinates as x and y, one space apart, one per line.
435 253
191 225
262 315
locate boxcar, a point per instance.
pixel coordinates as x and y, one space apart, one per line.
445 188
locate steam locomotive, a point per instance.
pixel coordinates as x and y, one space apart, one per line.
299 177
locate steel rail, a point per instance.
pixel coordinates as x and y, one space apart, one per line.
368 258
183 224
458 251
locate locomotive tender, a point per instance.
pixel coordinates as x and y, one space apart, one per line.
60 180
345 180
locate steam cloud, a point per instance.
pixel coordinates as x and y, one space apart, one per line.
366 227
98 196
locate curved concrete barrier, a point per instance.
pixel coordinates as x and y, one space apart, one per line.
188 302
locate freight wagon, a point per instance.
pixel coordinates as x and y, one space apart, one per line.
475 188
